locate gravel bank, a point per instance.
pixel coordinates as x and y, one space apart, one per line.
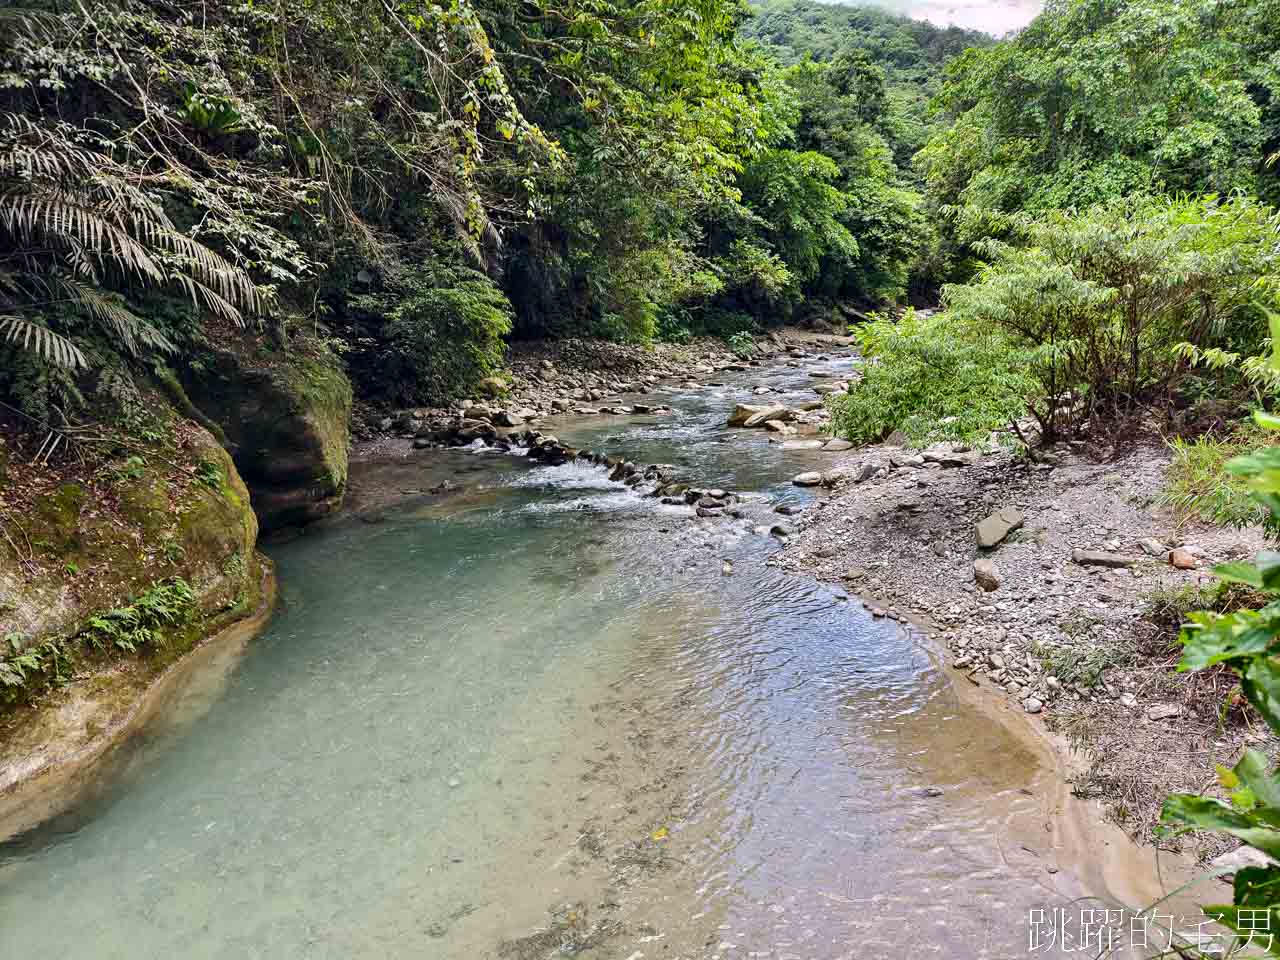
1058 611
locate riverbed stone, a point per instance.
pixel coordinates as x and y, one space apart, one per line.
744 412
1183 560
996 527
1153 547
811 479
986 575
1100 558
769 414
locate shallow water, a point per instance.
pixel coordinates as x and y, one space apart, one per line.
545 721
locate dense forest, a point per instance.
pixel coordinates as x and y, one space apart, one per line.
417 183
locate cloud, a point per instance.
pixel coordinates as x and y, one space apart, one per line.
996 17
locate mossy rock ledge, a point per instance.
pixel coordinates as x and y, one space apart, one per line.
91 557
285 416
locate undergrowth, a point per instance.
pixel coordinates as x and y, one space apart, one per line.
1200 487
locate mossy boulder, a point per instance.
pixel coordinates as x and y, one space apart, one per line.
84 548
285 415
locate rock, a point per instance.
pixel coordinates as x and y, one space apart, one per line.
837 445
944 458
1097 558
779 531
212 534
1238 859
505 418
807 480
492 386
995 661
1182 560
986 575
866 472
768 415
1153 547
996 527
896 439
777 426
1163 711
1032 705
285 419
744 412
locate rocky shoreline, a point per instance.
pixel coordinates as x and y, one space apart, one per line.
585 378
56 755
1041 578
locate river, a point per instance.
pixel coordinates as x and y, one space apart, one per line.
547 717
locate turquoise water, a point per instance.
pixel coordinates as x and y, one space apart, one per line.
554 725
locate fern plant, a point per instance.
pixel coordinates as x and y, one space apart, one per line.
79 230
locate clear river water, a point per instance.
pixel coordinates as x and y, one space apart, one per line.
539 718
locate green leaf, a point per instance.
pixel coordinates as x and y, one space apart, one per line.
1257 828
1257 886
1245 573
1253 771
1261 684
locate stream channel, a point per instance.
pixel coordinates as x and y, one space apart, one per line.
537 718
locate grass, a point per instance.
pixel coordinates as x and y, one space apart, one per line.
1199 486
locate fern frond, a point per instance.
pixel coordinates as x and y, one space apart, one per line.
131 329
64 220
44 342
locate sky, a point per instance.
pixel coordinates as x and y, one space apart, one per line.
997 17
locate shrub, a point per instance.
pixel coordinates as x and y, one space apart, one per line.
1104 297
434 332
932 378
1248 643
1089 313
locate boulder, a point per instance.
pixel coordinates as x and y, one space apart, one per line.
996 527
781 414
837 445
744 412
492 386
986 575
808 480
1098 558
284 417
